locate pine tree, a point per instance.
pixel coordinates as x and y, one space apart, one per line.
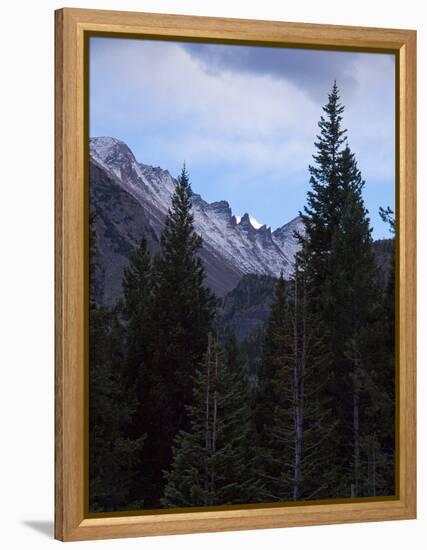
182 313
136 313
378 353
324 200
213 462
113 449
299 437
387 216
137 294
321 218
342 281
351 289
354 297
238 365
274 340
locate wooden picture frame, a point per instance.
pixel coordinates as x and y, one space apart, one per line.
72 26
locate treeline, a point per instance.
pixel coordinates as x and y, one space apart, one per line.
175 418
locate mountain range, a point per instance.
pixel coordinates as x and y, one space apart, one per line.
131 198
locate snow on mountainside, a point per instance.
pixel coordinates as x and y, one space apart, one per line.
242 245
255 223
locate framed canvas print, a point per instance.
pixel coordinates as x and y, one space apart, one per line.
235 274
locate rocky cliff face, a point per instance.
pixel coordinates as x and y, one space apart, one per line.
133 199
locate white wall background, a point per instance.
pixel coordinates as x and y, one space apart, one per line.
26 273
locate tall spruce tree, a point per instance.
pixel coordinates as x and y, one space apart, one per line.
378 352
238 364
353 296
182 313
113 449
321 217
342 280
297 441
267 392
137 298
324 200
136 312
213 461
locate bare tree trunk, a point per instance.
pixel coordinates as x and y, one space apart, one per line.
207 413
214 421
356 433
303 366
297 402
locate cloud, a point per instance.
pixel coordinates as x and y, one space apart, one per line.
243 118
312 70
234 118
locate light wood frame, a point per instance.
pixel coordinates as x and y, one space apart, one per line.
72 25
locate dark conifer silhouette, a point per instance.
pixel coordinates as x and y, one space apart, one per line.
176 418
213 461
114 450
181 316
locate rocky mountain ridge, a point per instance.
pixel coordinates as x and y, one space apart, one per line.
132 197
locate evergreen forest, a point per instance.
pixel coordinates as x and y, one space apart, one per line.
182 413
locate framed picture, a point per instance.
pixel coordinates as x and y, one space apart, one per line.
235 274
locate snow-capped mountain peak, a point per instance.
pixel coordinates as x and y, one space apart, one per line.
241 245
110 151
253 221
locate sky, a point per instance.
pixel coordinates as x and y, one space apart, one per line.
244 118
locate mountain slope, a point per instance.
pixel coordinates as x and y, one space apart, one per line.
246 308
134 198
